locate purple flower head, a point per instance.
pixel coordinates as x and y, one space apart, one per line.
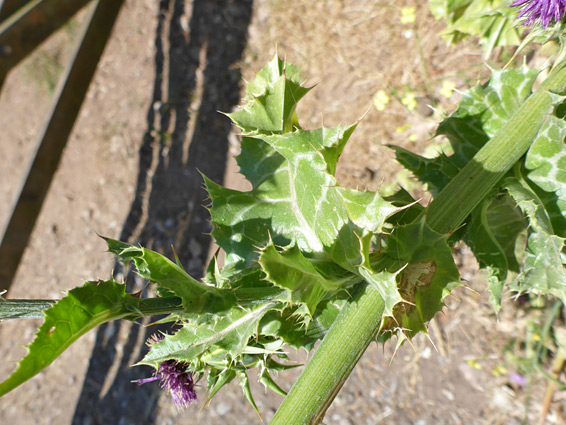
518 379
544 11
175 378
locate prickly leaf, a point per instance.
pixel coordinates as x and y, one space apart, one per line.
81 310
271 100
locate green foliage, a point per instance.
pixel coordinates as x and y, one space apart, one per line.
171 277
271 100
528 204
295 244
483 110
490 20
546 165
429 276
298 245
81 310
493 22
544 271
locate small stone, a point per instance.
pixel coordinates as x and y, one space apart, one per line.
448 395
426 353
502 400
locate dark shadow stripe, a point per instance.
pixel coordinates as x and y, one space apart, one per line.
175 213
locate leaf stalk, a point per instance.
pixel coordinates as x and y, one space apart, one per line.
33 309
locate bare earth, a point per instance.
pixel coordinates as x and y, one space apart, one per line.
130 172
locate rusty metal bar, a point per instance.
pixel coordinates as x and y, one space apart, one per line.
64 110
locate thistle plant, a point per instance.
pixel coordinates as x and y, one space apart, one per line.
307 260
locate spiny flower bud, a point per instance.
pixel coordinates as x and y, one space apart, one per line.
175 378
545 12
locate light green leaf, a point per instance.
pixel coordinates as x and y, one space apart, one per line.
271 100
81 310
292 330
544 271
496 225
210 337
427 279
492 234
528 201
491 20
166 274
245 385
295 197
546 161
295 244
307 286
216 380
268 382
366 210
483 110
495 287
385 283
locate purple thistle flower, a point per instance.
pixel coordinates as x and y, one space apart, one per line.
543 11
175 378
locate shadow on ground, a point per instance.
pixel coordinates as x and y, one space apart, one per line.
196 74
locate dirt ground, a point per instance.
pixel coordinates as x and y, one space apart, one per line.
129 171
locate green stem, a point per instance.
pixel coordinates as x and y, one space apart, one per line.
359 322
33 309
335 358
465 192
